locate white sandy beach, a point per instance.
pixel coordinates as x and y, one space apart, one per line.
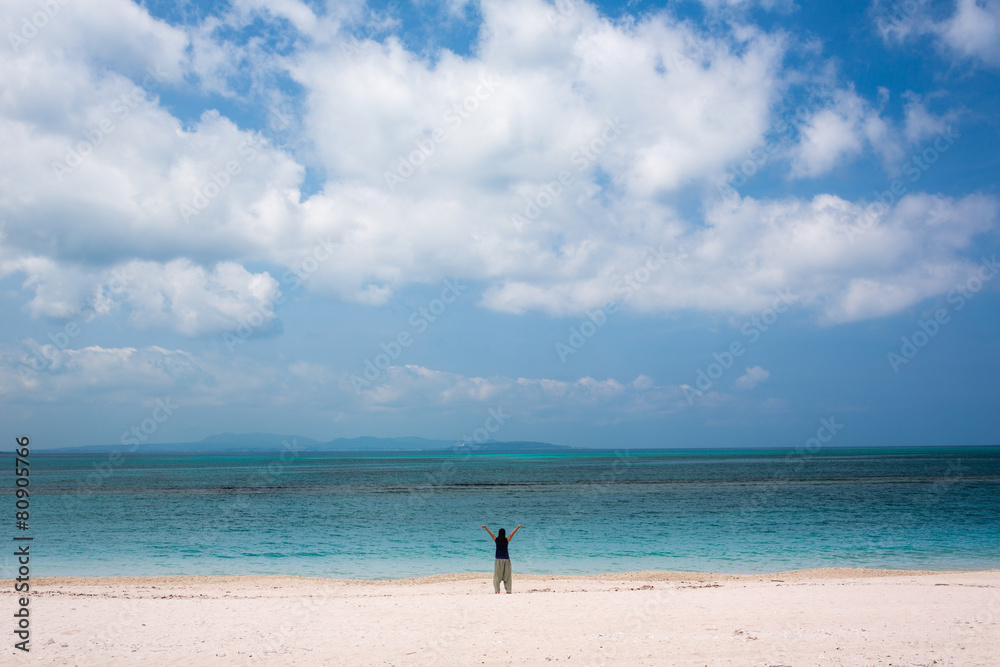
811 617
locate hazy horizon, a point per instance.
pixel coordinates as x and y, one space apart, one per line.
644 224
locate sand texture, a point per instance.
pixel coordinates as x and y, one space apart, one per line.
812 617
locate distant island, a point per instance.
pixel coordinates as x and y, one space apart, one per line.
225 443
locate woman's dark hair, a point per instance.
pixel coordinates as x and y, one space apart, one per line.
502 534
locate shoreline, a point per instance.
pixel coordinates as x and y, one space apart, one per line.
452 577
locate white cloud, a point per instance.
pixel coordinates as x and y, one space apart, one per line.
839 132
829 137
776 5
294 11
118 34
50 372
970 33
176 295
193 301
557 87
47 372
973 31
753 377
410 386
920 124
53 373
457 8
825 250
194 203
643 382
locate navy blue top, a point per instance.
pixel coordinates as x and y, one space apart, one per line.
502 548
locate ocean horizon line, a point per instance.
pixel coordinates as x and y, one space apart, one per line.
90 450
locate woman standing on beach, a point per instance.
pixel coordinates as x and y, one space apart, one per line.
501 566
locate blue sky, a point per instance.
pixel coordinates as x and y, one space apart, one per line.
694 224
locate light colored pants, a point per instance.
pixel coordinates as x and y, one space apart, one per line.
501 572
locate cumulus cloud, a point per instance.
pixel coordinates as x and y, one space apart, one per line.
192 301
117 34
970 33
830 136
53 372
845 125
583 129
973 31
643 382
826 251
753 377
176 295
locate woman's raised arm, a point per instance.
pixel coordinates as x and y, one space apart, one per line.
491 533
511 536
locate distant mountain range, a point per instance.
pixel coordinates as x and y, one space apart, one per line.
269 442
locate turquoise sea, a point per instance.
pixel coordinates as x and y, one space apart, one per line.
395 515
